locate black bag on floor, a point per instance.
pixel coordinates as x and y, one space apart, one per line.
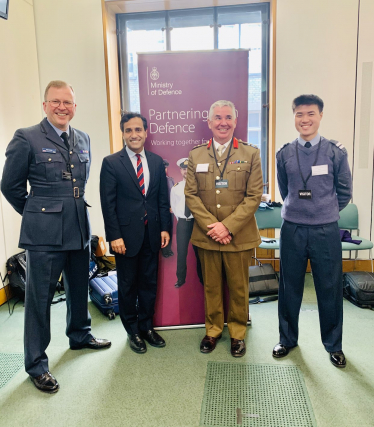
16 272
263 280
358 288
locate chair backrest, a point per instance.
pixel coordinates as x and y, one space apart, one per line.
349 217
269 218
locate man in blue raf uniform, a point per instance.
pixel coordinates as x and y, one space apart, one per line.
315 183
55 230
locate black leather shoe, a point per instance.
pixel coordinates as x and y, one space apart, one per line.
208 344
237 348
46 383
153 338
137 344
179 283
93 344
337 358
281 350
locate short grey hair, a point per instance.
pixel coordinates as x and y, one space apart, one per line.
222 103
59 84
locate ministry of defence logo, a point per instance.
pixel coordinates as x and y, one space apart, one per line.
154 74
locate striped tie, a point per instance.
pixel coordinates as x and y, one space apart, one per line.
140 175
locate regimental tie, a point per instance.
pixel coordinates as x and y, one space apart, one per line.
219 150
307 144
140 175
65 137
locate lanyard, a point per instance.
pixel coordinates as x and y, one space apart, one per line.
298 162
227 159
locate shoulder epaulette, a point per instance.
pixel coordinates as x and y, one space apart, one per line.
201 145
175 184
249 144
339 145
284 145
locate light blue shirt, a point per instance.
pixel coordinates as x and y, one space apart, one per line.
59 131
313 141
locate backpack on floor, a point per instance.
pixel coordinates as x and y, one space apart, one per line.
358 288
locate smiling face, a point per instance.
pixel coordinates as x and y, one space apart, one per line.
307 120
222 124
134 134
59 116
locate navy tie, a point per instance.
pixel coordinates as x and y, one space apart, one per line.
307 144
65 137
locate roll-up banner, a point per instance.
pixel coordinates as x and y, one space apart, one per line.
176 92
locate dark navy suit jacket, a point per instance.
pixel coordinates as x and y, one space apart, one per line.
54 213
123 204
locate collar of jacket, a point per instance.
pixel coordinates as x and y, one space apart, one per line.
235 144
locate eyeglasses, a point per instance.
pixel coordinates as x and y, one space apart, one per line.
56 103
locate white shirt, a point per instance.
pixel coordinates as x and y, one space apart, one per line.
225 145
134 161
178 200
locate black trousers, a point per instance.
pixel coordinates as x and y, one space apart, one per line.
322 246
184 232
43 270
137 287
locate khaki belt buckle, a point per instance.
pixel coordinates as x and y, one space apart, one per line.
76 192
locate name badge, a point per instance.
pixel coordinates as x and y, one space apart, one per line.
49 150
320 170
222 183
202 167
305 194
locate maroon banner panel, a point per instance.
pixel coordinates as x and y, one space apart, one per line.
176 92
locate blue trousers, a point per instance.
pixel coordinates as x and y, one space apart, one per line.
322 246
43 270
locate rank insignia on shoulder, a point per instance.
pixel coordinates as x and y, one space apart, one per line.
252 145
339 145
201 145
284 145
49 150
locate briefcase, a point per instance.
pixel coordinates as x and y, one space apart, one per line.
104 294
263 280
358 288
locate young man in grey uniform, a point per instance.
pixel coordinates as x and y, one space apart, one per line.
55 159
315 183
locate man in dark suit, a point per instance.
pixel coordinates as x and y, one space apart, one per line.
55 230
134 201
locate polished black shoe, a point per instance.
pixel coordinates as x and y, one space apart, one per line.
93 344
337 358
281 350
46 383
179 283
153 338
137 344
237 348
208 344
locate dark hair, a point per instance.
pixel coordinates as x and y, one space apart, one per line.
308 100
128 116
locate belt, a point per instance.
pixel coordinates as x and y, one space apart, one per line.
75 192
185 219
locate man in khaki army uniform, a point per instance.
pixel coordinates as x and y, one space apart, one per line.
223 191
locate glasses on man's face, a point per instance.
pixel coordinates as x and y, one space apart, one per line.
55 103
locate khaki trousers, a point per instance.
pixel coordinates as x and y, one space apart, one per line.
235 265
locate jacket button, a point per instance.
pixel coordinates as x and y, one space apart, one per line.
218 206
71 152
74 180
218 191
72 166
49 159
238 168
43 209
218 177
219 164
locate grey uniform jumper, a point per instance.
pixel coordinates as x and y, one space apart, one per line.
310 231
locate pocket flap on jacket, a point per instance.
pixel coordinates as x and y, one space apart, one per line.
43 205
48 157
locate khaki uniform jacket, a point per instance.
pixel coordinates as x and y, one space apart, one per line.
234 206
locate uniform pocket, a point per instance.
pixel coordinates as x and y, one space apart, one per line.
205 179
238 174
49 165
42 222
84 165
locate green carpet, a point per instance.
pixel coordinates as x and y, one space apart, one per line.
255 395
10 364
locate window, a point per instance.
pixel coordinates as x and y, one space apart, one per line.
225 27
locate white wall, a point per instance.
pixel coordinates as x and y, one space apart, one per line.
69 36
19 102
